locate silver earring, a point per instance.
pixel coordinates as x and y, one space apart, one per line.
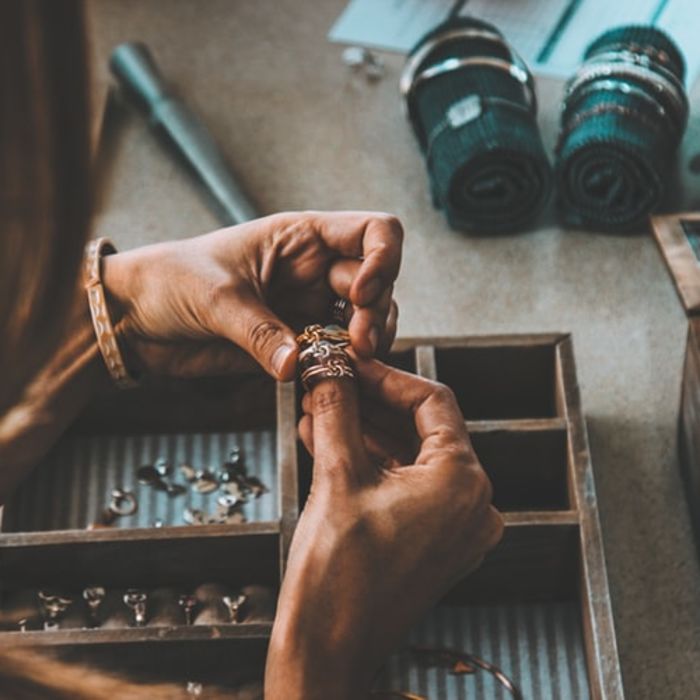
93 596
136 600
188 603
53 607
234 605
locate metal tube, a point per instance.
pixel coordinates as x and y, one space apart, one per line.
133 64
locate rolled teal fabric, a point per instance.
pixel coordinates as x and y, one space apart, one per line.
477 128
622 120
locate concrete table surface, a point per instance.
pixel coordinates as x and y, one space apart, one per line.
304 132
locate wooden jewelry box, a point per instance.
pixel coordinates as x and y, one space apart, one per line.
538 608
678 237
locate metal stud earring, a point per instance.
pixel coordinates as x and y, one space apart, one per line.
53 607
94 596
136 600
188 603
234 605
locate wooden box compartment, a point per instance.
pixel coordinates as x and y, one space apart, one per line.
538 606
678 238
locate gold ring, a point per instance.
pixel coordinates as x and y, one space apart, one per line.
323 355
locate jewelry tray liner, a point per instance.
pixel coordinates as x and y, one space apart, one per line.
538 607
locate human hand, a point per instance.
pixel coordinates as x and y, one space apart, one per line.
197 306
399 511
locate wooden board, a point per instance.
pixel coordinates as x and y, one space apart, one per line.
678 238
522 406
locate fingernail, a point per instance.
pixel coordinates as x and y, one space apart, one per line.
374 338
280 358
372 290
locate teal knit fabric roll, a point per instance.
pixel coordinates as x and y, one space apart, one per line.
622 121
488 171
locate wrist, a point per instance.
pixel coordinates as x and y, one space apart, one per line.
302 666
119 281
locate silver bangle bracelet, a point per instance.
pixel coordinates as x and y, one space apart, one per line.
636 59
452 64
415 60
466 110
675 98
654 54
607 85
411 77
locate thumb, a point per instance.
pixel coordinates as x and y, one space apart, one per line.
262 335
339 451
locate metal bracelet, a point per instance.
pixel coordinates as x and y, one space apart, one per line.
604 108
675 97
467 110
635 59
416 59
607 85
412 76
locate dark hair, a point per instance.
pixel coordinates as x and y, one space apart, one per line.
44 178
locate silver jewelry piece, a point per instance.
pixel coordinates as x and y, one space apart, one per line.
256 486
53 607
205 482
339 312
233 488
136 600
194 689
357 57
22 624
227 501
174 489
234 605
122 503
193 516
147 475
188 472
162 466
188 603
94 596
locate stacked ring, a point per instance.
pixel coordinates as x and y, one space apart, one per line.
323 355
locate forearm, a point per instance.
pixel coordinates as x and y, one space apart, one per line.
51 402
296 671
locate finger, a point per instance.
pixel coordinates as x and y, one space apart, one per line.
341 275
387 432
253 326
378 447
384 447
306 433
376 238
389 335
397 424
438 420
368 324
337 432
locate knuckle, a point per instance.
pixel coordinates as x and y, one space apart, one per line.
442 393
394 224
327 398
483 489
338 465
262 334
215 293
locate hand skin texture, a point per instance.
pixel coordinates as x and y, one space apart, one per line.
212 305
399 511
197 306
